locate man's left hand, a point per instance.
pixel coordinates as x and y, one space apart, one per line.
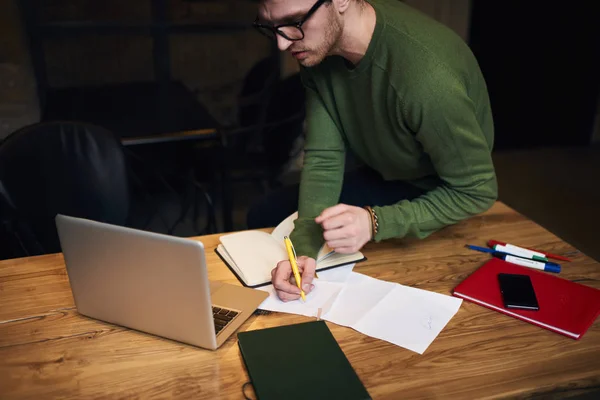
346 228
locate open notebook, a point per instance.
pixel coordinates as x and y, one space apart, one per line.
251 255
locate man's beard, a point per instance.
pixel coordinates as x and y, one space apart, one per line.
332 34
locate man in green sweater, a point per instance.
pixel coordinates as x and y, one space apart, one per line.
405 95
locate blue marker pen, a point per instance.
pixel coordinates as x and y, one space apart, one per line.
548 267
482 249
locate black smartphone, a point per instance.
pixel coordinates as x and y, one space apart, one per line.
517 292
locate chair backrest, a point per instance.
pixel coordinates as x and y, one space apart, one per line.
273 111
256 91
286 111
69 168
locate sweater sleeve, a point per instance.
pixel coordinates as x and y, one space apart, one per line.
322 174
445 123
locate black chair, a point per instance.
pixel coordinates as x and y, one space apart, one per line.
59 167
81 170
162 180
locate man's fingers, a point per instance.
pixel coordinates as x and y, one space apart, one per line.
339 243
286 286
283 271
330 212
305 262
338 221
346 250
344 232
285 296
307 267
281 276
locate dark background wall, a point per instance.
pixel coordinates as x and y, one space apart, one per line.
542 65
540 61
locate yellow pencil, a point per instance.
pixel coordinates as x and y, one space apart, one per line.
291 255
296 256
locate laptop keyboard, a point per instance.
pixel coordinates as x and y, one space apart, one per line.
222 317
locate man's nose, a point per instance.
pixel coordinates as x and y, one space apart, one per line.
282 43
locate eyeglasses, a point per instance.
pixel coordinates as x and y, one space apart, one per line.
291 31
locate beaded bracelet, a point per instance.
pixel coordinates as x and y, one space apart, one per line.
374 221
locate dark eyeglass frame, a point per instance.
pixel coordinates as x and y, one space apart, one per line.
276 30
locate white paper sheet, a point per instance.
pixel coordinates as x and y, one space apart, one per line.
322 296
409 317
360 294
405 316
337 274
327 287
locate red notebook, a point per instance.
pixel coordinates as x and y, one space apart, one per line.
566 307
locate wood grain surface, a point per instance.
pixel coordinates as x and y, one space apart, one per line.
48 350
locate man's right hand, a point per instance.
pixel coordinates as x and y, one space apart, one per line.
284 282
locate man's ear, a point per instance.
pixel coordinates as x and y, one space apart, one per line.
341 5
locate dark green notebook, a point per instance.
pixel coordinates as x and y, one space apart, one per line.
300 361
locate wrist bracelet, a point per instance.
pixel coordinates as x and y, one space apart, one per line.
374 221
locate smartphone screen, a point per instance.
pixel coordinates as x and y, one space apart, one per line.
517 292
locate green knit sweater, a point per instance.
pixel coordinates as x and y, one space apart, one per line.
415 109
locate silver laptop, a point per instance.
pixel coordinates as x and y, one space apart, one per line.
151 282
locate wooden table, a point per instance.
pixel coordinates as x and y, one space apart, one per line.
47 350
